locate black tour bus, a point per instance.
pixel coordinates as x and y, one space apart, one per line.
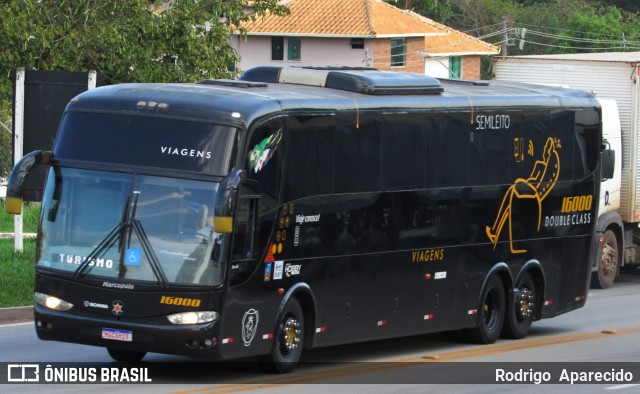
308 207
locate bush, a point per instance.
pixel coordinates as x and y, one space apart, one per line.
17 273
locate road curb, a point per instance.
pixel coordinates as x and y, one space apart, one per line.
16 315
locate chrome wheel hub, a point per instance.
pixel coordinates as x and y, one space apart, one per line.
291 334
526 304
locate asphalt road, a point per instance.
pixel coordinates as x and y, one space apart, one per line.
604 335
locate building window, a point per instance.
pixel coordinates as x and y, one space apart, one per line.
398 51
293 48
277 48
455 67
357 43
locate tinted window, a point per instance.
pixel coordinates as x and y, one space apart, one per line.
447 150
403 154
398 51
277 48
146 141
264 166
357 158
310 158
293 48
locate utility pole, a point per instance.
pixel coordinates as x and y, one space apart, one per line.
18 138
505 38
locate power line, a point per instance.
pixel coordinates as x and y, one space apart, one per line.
580 39
583 48
567 30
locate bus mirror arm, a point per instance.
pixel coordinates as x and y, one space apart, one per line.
225 202
608 164
19 174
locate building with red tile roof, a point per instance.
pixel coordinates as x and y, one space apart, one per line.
355 33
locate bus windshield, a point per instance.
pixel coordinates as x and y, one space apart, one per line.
130 227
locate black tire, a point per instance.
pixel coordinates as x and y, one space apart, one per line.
289 340
521 309
491 314
608 264
125 356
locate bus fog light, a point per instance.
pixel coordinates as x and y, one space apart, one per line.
193 317
52 302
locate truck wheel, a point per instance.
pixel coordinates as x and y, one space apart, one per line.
608 265
125 356
288 342
491 313
521 310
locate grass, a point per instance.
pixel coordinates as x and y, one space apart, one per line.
17 269
17 273
30 216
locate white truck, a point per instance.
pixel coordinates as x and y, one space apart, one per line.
615 79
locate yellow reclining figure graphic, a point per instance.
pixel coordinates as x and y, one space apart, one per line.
537 186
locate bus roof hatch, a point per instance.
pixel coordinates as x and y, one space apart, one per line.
359 80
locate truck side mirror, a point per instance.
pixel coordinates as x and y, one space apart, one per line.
19 174
608 164
225 203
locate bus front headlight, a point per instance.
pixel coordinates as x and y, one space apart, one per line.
52 302
193 317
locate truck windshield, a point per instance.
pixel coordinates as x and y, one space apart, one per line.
130 227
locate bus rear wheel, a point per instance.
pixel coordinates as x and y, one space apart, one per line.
125 356
492 312
288 342
521 310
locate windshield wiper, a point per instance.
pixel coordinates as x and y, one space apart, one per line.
105 244
122 229
153 259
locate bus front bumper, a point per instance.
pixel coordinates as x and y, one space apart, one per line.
197 340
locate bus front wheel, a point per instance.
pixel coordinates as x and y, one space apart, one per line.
521 310
492 312
125 356
288 341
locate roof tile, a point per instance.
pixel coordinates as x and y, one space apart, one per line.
366 18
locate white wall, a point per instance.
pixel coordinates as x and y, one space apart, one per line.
256 51
437 68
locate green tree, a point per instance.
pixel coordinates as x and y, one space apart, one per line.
437 10
124 41
133 40
592 32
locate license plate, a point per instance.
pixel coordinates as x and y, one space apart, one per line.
117 335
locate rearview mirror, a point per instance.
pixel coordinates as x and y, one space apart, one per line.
608 164
19 174
225 203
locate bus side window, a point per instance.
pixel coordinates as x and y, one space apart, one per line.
263 164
